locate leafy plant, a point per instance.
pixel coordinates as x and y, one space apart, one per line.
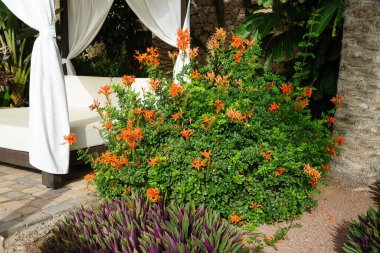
364 235
15 57
229 135
286 27
137 225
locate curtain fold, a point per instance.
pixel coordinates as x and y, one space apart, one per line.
85 18
48 114
163 18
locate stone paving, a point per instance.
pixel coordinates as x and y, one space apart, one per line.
24 201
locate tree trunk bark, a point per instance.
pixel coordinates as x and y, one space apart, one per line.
358 119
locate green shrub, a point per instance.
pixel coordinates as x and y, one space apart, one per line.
137 225
364 236
233 137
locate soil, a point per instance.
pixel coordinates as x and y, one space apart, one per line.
321 230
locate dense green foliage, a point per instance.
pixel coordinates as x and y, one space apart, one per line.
15 56
136 225
229 135
364 235
304 36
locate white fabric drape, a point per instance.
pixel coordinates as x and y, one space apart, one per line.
85 18
163 18
48 115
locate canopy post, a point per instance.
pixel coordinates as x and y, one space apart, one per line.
184 4
64 32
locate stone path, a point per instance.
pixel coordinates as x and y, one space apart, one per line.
24 201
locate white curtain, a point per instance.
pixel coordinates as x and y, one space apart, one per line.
163 18
48 116
85 18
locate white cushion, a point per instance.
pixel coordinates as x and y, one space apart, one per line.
81 91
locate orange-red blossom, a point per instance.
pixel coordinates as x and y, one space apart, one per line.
219 105
313 173
106 90
186 133
236 218
175 89
130 135
183 39
274 107
71 139
153 194
128 80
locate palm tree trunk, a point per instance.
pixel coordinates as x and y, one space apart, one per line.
358 118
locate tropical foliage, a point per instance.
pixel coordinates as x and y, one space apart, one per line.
364 235
138 225
229 135
301 33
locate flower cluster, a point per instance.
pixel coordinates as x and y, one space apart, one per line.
228 134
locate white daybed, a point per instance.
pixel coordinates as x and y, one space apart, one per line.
81 92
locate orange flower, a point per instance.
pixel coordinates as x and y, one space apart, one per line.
130 135
274 107
183 39
235 218
121 161
206 154
154 83
220 34
154 161
89 177
198 163
187 133
71 139
337 99
255 206
280 171
287 89
219 80
237 57
276 173
95 105
331 219
107 125
330 120
331 151
339 140
193 53
235 115
308 92
173 55
208 121
128 80
267 155
213 43
149 114
313 173
106 90
210 76
177 116
150 58
195 74
153 194
176 89
269 86
326 167
237 42
219 106
301 104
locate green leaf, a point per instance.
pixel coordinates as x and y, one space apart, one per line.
282 46
259 24
326 11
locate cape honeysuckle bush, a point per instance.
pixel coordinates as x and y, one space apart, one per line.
227 135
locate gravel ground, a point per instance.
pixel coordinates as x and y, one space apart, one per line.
322 229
